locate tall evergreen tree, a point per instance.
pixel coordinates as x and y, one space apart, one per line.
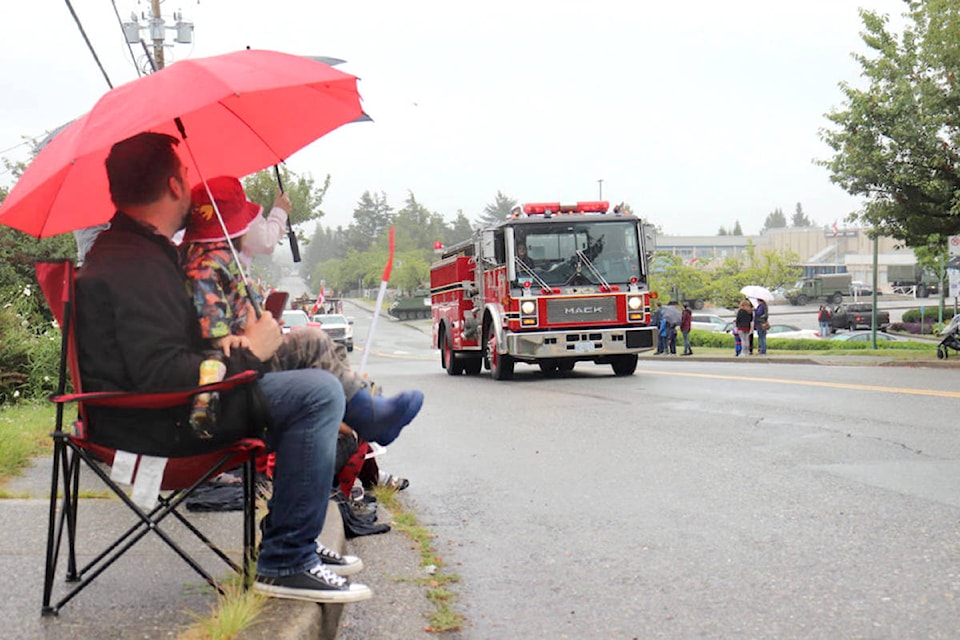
372 218
800 219
498 210
775 220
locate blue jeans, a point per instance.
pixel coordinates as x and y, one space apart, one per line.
306 407
761 340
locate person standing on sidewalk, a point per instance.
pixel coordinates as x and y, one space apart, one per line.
743 323
760 325
823 319
686 317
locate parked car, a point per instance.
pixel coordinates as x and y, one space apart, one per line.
338 327
782 331
863 335
707 322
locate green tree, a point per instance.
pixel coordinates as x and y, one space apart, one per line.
737 231
775 220
372 218
895 141
800 219
459 231
498 210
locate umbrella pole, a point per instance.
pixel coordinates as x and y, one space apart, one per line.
291 236
226 234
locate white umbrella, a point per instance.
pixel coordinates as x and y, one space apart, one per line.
756 291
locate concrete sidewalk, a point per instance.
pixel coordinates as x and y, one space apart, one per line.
149 592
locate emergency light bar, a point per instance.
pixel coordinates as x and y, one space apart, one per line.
542 208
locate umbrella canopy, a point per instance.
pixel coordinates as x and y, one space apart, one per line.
757 292
672 313
240 112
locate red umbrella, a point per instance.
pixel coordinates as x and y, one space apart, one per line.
240 112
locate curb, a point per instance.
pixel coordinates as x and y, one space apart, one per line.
295 619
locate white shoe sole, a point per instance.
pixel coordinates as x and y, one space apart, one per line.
346 569
356 593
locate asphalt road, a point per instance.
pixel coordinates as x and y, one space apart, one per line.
743 499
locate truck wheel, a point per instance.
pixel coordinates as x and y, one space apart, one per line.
449 357
624 365
472 366
836 298
801 300
698 304
853 326
501 364
566 366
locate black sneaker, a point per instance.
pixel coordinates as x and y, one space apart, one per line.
340 565
318 584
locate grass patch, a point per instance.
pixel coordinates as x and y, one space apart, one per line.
443 617
234 611
24 434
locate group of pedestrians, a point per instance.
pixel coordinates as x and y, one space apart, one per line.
667 322
751 319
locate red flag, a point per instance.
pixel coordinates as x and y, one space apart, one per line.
836 232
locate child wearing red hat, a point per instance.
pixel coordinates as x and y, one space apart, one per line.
221 297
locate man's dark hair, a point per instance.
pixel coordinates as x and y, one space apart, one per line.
139 167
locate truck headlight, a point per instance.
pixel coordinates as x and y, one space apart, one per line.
634 302
528 307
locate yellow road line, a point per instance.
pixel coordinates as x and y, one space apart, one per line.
811 383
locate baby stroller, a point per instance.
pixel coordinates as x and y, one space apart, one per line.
951 338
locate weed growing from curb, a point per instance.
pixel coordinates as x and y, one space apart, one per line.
443 618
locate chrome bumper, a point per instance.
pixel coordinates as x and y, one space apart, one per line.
581 343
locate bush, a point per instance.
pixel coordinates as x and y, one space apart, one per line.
929 313
29 349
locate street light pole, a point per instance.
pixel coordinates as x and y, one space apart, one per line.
600 182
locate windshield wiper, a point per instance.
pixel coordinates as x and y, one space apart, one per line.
533 274
592 268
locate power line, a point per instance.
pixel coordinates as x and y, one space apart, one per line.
133 58
89 45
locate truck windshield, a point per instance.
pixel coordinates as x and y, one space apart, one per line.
573 253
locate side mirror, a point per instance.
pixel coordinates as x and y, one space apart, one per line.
349 320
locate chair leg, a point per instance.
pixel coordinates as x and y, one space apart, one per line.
249 518
53 537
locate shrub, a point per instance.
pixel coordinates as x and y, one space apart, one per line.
29 349
929 313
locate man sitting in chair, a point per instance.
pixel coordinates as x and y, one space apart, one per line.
137 331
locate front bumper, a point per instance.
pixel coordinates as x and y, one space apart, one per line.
584 344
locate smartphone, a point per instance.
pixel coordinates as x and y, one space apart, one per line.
276 302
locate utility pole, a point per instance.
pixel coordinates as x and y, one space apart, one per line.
157 34
600 182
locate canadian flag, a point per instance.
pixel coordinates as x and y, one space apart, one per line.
836 231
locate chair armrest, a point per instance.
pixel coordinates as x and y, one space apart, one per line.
159 400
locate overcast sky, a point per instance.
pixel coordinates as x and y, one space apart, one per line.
697 113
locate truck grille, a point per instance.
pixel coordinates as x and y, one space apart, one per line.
581 310
336 334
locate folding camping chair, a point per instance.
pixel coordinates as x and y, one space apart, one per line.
181 475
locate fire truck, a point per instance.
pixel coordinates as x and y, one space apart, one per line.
552 285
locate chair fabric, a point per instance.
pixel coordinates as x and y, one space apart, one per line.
73 450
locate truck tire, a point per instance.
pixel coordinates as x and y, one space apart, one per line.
922 291
472 366
624 365
852 326
451 362
801 300
698 304
548 367
501 364
565 365
836 298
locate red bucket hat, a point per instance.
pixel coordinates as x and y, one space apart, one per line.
238 212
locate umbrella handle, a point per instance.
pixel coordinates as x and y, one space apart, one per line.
291 236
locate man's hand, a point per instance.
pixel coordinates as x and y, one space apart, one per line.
283 201
263 334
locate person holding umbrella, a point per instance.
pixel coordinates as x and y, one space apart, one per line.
137 331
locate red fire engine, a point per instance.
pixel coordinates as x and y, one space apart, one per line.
552 285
